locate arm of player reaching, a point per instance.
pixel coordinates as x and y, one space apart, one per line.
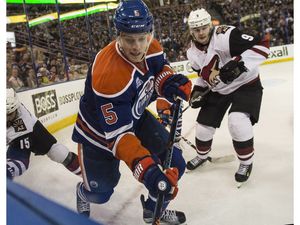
247 53
170 85
145 167
128 148
247 48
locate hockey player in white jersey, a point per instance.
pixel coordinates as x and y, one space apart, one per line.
26 134
227 62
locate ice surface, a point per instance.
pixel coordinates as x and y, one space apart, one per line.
208 195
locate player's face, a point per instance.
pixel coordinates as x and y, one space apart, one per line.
11 116
134 46
201 34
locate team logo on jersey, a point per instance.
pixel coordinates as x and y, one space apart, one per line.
19 125
210 72
222 29
143 99
45 103
138 82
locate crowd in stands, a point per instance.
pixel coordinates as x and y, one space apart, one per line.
57 55
21 73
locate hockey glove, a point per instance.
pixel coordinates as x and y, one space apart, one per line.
198 97
9 172
147 171
177 85
232 70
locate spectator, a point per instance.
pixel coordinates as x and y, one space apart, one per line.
14 81
31 79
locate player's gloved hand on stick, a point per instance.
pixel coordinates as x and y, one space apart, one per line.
147 171
231 70
198 96
177 85
164 116
9 172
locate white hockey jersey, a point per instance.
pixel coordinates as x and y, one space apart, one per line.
22 125
226 43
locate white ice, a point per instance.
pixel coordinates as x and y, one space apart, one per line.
208 196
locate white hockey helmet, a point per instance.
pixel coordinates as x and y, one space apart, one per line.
12 101
198 18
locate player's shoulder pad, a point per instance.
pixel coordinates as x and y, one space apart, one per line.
111 73
155 48
222 29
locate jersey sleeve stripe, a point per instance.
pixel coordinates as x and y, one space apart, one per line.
260 51
83 127
154 54
97 144
89 126
115 133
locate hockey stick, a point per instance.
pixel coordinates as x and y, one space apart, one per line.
220 159
167 163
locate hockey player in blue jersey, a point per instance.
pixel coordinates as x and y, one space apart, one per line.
25 134
112 122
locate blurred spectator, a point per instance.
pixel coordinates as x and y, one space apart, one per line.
31 79
43 76
14 80
53 74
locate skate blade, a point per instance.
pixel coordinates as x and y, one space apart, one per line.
240 184
222 159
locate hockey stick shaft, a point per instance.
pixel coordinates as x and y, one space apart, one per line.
220 159
167 162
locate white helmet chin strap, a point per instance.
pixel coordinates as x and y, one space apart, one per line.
149 42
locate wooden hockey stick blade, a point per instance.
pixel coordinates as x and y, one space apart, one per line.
222 159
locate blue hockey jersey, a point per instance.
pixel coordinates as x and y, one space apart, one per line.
115 96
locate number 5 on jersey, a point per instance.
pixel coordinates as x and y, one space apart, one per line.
109 115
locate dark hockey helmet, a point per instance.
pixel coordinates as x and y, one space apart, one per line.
133 16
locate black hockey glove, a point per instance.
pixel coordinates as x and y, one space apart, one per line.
198 96
232 70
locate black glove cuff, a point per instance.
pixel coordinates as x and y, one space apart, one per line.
199 89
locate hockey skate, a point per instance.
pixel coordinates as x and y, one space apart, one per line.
83 207
243 174
168 217
195 162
